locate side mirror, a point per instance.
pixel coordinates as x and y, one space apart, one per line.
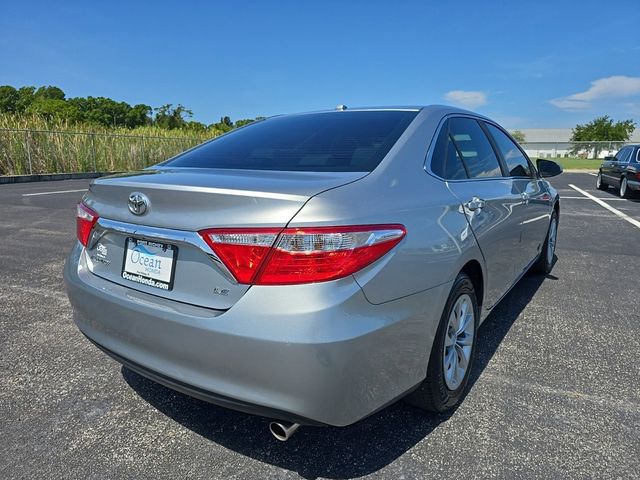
548 168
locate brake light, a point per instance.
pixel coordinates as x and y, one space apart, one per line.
241 250
301 255
637 175
85 220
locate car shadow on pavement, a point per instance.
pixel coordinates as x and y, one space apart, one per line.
331 452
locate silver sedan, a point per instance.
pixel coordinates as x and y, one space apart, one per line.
314 268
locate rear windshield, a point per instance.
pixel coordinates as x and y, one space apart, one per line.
333 142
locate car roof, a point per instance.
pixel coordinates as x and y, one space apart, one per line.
442 109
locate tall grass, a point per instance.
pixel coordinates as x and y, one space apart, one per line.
32 144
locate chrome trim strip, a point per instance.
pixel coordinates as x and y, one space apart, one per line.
167 235
216 190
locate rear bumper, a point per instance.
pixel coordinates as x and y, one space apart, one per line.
314 354
205 395
633 184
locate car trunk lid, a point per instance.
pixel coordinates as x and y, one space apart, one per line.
179 203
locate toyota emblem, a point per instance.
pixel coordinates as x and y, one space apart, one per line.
138 203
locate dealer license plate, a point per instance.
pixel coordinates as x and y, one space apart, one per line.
149 263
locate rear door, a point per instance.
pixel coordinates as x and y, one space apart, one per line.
623 164
465 158
536 208
613 169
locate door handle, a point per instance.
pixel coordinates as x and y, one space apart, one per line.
475 204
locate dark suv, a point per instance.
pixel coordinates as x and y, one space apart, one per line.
621 171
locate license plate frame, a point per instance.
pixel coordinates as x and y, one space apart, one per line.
153 271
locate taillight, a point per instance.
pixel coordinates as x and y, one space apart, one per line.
301 255
241 250
85 220
637 175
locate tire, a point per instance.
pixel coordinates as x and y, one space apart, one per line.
600 183
625 192
438 392
544 264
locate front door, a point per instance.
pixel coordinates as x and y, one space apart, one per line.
535 211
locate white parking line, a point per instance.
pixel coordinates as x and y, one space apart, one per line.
592 174
615 211
613 199
53 193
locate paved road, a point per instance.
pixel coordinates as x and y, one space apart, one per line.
555 393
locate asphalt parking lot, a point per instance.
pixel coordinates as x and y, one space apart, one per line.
555 392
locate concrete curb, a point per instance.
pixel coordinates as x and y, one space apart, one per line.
45 177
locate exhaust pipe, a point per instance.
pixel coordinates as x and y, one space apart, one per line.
283 432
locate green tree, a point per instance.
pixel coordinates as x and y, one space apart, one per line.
243 122
8 99
104 111
25 98
53 108
138 116
51 103
223 126
52 93
518 136
108 112
168 116
601 129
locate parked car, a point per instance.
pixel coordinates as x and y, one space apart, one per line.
314 268
621 171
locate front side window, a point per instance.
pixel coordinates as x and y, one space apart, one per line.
474 147
349 141
517 164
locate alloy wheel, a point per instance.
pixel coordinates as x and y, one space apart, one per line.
458 342
551 243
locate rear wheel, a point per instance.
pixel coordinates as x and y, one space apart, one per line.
452 352
600 184
625 192
544 264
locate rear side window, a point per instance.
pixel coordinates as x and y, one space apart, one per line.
344 141
445 160
517 164
623 155
474 147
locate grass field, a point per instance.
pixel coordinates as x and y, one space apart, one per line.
575 163
578 163
34 145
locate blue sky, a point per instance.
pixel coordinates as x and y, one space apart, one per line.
526 64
